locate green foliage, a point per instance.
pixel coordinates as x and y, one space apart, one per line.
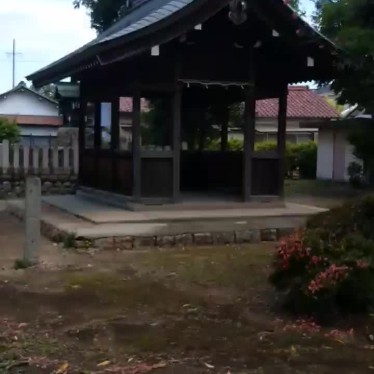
9 131
69 241
295 4
306 159
301 157
329 268
362 139
350 24
103 13
22 264
232 145
356 175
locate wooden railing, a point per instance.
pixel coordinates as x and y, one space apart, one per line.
16 159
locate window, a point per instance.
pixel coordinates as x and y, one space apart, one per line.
89 127
106 125
125 123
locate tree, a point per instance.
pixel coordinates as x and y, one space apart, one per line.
295 4
48 91
9 131
350 24
103 13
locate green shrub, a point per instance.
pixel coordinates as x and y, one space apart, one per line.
306 159
328 268
8 131
301 157
232 145
356 175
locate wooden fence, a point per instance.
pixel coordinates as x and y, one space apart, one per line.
16 159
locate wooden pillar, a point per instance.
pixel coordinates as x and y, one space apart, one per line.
136 145
97 139
114 145
282 124
97 129
81 136
177 123
249 130
177 107
225 128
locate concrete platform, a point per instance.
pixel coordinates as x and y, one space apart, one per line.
96 222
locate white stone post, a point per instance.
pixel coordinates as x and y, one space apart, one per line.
32 219
5 156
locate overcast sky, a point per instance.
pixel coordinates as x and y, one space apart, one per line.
45 30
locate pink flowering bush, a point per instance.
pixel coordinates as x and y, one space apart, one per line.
328 268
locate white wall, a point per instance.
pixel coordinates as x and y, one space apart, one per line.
325 155
38 131
27 104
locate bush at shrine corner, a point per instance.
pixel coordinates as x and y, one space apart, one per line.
9 131
328 268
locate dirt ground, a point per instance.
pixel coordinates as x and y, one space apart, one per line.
204 310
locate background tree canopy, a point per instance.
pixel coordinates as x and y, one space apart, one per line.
350 24
103 13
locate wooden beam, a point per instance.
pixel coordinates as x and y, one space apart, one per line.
249 130
136 145
282 124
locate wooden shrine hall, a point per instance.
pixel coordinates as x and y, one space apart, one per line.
156 85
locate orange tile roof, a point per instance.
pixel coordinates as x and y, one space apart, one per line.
302 103
35 120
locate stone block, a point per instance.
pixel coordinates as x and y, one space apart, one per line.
165 241
184 240
32 218
269 235
144 241
203 238
124 243
223 237
247 236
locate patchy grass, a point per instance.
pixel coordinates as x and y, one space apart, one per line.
194 311
22 264
69 241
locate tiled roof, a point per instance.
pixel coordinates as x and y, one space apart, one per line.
302 103
125 105
35 120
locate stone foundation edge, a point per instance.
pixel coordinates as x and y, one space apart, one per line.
249 236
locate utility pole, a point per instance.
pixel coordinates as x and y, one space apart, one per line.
14 62
14 54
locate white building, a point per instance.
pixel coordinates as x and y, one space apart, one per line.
36 115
